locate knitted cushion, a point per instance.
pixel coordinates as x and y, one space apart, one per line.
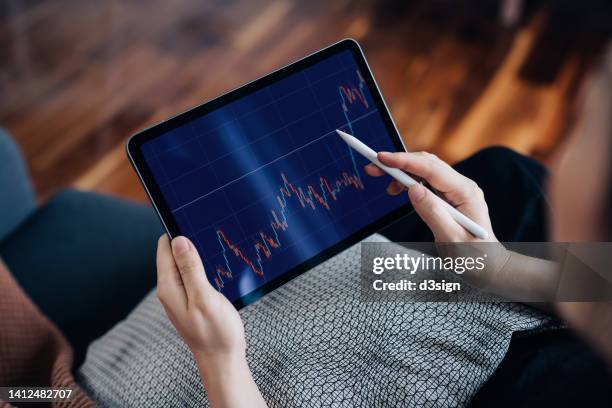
315 342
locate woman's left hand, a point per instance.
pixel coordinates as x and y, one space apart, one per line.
207 321
209 324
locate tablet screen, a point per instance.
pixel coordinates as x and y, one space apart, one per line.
263 183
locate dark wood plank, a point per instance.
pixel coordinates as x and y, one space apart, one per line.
77 78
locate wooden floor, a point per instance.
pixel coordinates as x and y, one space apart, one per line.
77 78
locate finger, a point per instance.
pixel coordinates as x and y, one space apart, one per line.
438 174
395 188
170 288
373 170
190 268
432 211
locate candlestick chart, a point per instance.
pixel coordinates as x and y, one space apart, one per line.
265 183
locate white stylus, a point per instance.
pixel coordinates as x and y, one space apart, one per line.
408 181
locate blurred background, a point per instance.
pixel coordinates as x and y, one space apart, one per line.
77 78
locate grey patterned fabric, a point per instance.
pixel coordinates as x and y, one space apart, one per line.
314 342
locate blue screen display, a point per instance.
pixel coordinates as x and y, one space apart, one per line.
264 183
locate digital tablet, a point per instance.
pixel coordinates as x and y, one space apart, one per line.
259 180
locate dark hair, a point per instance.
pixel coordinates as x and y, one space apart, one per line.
598 91
606 72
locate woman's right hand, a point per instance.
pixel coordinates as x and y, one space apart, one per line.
506 273
458 190
462 193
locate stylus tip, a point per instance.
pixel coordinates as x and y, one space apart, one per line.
345 136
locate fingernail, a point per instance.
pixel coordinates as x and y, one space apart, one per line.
382 156
180 245
417 192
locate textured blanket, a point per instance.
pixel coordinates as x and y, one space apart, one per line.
33 353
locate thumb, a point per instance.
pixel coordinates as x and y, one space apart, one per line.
430 209
190 268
